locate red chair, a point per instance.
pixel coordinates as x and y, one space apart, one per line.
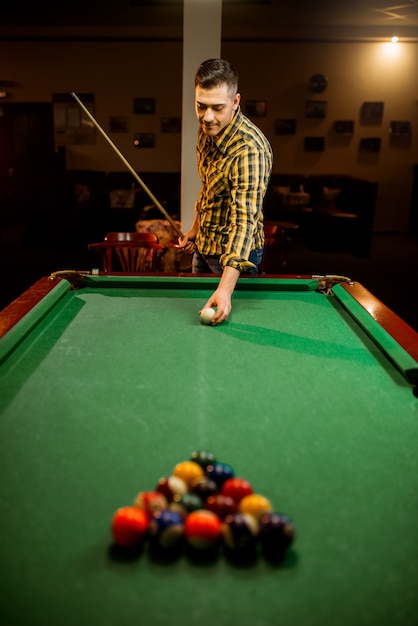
135 236
129 252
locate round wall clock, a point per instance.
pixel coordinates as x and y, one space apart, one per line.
317 83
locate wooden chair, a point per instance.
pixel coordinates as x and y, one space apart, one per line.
132 236
129 252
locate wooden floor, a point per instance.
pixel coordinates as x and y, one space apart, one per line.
390 272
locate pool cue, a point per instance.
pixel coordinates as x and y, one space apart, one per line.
129 166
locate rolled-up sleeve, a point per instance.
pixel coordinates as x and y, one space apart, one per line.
249 176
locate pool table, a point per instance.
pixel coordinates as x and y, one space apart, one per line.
308 390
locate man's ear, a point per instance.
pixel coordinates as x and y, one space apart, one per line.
236 102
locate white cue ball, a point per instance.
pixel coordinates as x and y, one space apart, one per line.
206 315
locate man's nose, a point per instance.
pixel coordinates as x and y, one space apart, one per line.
208 117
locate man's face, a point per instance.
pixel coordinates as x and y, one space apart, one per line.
215 108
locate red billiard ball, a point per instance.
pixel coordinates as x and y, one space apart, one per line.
169 486
236 488
220 505
202 529
150 501
129 526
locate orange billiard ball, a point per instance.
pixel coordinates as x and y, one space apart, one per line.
129 526
202 529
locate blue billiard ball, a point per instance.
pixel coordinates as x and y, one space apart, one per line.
219 472
166 528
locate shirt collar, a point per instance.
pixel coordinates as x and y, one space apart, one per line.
223 141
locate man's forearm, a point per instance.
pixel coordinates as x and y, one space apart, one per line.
228 280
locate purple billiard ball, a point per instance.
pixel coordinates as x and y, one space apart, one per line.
277 533
240 532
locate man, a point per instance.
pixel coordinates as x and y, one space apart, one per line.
234 162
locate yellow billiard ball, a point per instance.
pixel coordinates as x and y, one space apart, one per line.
188 471
255 505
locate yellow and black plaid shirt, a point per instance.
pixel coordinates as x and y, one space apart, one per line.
235 170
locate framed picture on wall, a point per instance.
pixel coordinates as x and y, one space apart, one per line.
400 129
372 112
171 125
344 127
144 106
314 144
71 125
370 144
285 126
316 109
144 140
256 108
118 124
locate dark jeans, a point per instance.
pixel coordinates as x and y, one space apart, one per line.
209 264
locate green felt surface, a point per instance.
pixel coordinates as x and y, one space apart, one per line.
116 386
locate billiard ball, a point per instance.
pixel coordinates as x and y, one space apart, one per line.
185 503
240 532
203 487
277 532
169 486
220 505
219 472
129 526
188 471
206 315
203 458
202 529
236 488
255 505
166 528
150 501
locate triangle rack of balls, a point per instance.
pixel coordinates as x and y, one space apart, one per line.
203 505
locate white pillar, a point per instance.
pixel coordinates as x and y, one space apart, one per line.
202 32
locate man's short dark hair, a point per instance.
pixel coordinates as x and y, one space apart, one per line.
215 72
